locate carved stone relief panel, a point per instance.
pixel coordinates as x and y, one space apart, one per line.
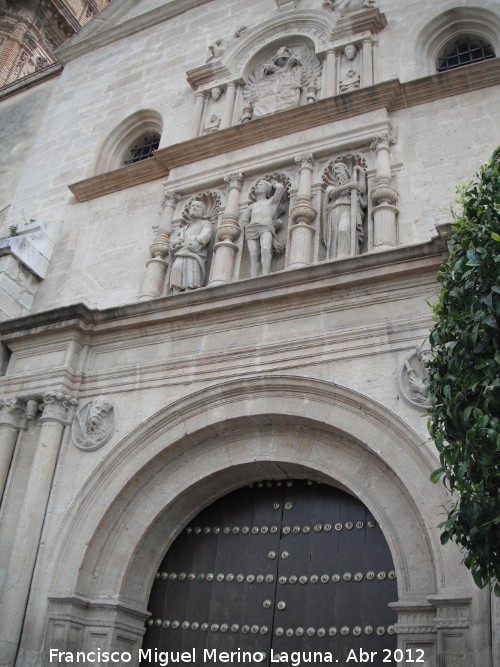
191 245
264 224
350 69
280 79
413 379
344 209
93 424
349 6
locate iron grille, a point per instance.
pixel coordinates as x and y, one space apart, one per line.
465 52
143 148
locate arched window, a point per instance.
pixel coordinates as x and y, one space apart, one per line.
142 148
463 50
132 140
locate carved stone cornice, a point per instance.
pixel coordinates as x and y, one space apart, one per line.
12 413
58 407
370 20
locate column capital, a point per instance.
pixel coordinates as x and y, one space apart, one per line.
171 197
12 413
305 160
58 406
384 139
235 180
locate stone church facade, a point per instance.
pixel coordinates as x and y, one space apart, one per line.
226 220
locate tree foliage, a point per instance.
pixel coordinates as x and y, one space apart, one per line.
464 376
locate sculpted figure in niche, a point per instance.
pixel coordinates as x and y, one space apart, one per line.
350 74
260 222
346 199
190 250
93 424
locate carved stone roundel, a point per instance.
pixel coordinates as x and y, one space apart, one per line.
93 424
413 381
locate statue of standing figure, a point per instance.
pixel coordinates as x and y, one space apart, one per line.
190 250
346 199
260 221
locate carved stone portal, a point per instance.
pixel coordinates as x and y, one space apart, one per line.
278 85
93 424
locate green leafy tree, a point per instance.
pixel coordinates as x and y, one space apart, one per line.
464 376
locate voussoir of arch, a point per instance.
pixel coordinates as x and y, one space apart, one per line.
441 23
220 438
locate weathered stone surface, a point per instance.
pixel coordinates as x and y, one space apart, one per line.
294 373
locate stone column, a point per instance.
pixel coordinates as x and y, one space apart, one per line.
384 195
227 233
12 420
156 267
58 411
229 105
302 215
367 62
330 74
199 105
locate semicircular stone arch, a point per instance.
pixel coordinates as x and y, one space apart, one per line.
419 53
117 143
224 437
314 25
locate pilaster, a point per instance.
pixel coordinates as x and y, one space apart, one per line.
58 410
227 233
302 215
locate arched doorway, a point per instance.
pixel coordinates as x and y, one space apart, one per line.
280 566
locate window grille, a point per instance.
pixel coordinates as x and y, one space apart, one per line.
464 52
143 148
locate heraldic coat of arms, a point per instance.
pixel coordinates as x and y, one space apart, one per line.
278 85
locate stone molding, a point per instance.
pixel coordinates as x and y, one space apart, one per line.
77 609
362 269
87 40
30 80
392 95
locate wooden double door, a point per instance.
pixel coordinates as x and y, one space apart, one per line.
281 566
